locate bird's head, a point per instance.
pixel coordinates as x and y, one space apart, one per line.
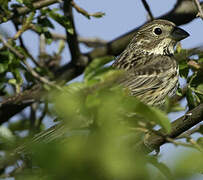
158 37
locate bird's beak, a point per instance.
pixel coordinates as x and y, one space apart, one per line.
179 34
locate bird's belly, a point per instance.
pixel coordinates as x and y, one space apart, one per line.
156 96
168 88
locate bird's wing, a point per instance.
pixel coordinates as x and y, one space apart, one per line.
149 77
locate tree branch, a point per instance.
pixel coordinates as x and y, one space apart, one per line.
84 12
24 10
179 126
190 132
144 2
79 61
15 104
90 42
72 39
200 13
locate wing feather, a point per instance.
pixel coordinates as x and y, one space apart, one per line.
150 78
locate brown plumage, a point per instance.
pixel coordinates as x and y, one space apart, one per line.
151 69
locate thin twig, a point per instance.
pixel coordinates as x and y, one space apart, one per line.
80 10
200 13
25 26
178 127
41 78
11 48
177 97
189 132
194 65
90 42
84 12
146 6
42 45
29 68
194 143
25 48
178 142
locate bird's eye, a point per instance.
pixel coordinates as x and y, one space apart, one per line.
157 31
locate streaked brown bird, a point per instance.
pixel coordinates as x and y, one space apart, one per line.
151 69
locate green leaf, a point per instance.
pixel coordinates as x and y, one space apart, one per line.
200 87
48 37
6 134
200 60
19 125
92 100
20 1
191 99
161 166
70 30
18 76
195 164
4 4
201 129
12 81
38 28
29 3
183 69
62 20
98 74
94 66
153 114
3 68
74 87
200 142
199 92
45 22
98 14
179 92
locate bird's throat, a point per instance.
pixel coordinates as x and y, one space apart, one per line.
165 47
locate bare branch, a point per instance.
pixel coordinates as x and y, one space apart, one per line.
84 12
25 48
179 126
90 42
200 13
42 45
71 35
15 104
189 132
144 2
41 78
153 142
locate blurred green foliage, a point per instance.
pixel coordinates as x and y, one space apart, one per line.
105 127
